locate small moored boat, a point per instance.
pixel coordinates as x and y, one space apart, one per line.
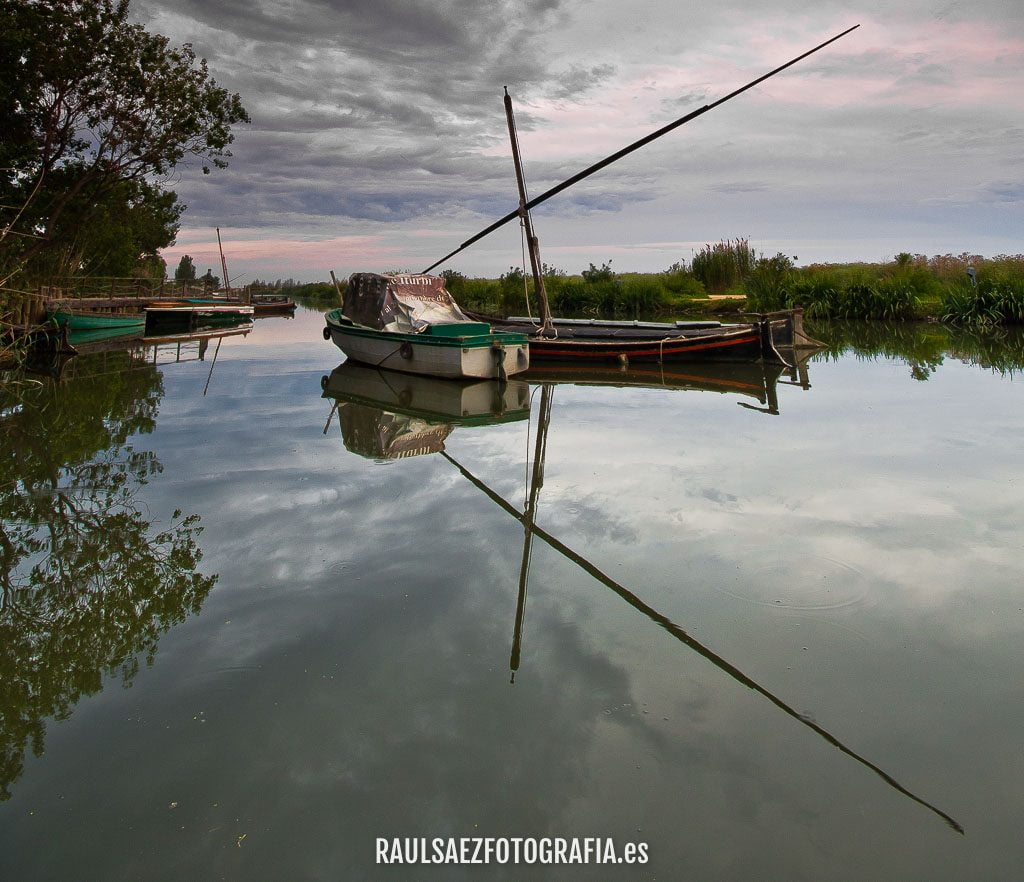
95 320
192 315
411 323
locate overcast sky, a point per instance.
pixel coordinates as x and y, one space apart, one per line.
378 138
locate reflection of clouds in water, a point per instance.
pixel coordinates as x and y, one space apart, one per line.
690 490
410 726
891 503
593 517
352 665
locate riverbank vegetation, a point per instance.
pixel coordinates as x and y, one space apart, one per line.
730 277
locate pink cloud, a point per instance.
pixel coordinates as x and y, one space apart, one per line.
256 257
899 63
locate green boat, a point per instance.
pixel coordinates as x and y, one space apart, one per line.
91 320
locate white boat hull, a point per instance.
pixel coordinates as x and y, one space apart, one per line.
480 362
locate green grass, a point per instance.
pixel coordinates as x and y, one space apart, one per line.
906 288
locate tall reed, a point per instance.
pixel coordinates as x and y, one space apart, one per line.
724 264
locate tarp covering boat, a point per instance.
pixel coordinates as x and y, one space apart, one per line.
404 304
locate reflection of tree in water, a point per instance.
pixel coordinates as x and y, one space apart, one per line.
923 346
998 349
86 587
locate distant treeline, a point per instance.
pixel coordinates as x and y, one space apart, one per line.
315 294
961 289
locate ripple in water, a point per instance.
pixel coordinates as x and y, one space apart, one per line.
803 582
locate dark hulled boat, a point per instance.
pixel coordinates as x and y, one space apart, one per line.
595 341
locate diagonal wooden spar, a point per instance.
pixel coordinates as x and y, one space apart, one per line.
636 145
683 636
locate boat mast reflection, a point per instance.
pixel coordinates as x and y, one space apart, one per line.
527 519
529 516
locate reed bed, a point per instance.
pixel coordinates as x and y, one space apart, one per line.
906 288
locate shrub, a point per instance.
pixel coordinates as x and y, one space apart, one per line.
513 293
681 283
769 282
856 301
990 303
569 297
594 274
641 294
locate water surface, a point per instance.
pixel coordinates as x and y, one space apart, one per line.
769 626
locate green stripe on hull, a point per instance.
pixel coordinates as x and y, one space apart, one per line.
79 321
439 339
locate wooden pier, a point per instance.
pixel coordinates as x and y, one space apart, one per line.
25 311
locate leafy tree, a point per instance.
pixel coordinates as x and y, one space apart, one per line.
111 237
95 109
186 271
454 281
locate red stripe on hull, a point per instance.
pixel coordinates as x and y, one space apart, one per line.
664 351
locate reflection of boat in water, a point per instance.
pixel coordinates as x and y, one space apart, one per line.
758 380
531 530
136 348
392 415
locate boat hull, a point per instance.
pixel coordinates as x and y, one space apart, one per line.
83 320
191 315
739 345
587 341
480 356
261 305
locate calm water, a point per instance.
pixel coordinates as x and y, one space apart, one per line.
245 632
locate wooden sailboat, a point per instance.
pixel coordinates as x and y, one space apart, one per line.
262 304
193 315
595 341
384 320
570 340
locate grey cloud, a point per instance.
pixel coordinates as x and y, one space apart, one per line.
391 111
927 74
740 187
570 204
1007 192
577 80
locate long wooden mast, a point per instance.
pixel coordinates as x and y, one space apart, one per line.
524 214
636 145
223 263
